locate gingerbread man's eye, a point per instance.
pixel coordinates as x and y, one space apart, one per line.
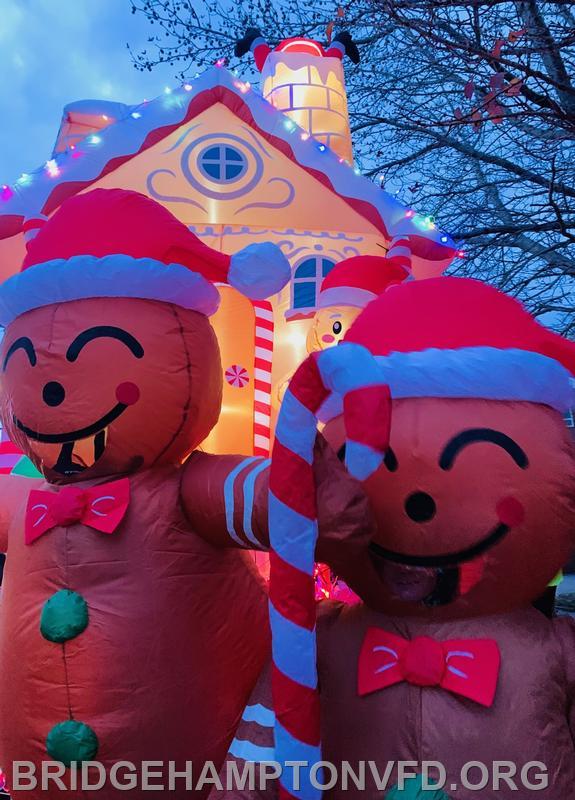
337 327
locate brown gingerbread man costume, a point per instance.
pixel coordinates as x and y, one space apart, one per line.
126 632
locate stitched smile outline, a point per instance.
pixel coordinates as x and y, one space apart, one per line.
446 560
72 436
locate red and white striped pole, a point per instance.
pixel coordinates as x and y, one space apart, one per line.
264 348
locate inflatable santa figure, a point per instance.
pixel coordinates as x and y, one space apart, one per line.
455 430
125 635
253 41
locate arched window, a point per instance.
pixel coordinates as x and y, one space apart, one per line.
307 279
222 163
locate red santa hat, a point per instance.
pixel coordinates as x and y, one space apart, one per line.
360 279
459 337
119 243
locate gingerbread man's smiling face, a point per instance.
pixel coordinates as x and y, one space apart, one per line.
107 386
474 505
475 500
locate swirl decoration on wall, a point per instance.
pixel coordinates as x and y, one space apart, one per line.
168 198
269 204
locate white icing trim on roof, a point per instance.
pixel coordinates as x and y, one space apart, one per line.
126 137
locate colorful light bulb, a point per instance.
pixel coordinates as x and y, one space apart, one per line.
52 168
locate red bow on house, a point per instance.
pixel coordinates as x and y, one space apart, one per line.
468 667
101 507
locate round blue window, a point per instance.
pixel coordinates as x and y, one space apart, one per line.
222 163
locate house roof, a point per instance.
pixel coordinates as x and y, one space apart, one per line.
139 127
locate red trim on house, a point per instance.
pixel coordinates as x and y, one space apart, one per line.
10 225
204 100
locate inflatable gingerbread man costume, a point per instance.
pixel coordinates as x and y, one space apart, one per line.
125 634
455 430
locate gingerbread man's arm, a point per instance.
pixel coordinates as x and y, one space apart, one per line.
252 747
565 631
14 490
226 500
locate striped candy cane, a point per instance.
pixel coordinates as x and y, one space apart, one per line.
400 252
32 226
351 371
264 345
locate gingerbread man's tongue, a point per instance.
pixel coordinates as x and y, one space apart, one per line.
71 458
410 584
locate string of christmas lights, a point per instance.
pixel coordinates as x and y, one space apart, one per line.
54 166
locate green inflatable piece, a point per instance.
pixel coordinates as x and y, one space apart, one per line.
71 741
64 616
413 790
26 469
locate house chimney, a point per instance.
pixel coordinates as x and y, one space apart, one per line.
307 83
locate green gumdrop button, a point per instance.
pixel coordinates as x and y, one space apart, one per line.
64 616
71 741
413 790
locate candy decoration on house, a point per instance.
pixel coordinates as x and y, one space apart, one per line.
455 429
237 376
305 80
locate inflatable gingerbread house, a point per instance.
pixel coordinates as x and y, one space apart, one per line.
238 166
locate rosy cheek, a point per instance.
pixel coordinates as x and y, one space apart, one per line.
127 394
328 338
510 512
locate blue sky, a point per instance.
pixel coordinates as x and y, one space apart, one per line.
55 51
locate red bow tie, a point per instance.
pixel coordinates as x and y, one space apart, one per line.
468 667
101 507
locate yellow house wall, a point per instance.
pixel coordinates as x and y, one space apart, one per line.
272 190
